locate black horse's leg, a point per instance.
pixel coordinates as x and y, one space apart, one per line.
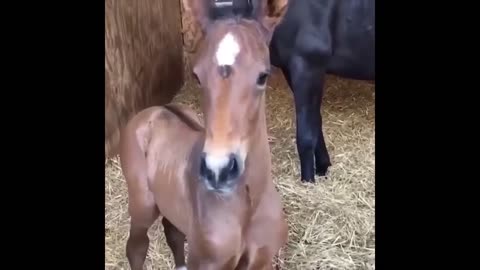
306 82
175 240
322 159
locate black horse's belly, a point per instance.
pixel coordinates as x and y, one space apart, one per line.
353 40
353 64
337 36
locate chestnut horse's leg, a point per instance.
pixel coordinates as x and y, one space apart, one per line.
143 213
175 240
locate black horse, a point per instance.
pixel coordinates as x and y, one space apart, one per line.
318 37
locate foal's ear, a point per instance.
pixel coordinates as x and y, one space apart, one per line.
271 13
199 10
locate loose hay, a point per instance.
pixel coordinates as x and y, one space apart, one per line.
331 224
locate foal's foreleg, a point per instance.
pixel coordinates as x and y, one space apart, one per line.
260 260
175 240
143 213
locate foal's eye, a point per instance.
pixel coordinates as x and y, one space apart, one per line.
262 79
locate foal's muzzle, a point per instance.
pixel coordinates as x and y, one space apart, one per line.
220 172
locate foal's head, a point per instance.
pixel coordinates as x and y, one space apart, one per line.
232 66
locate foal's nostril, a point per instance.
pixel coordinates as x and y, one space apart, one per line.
233 166
231 171
205 172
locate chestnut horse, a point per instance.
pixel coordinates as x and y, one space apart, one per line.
211 185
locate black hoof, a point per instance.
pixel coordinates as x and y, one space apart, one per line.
308 180
321 170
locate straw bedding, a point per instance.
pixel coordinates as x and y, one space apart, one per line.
331 223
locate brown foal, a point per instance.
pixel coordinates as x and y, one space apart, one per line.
211 185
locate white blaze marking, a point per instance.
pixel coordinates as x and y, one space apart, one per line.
227 50
216 163
182 268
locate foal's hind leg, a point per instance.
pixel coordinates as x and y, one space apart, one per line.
175 240
143 212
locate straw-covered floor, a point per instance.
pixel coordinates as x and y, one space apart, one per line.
332 223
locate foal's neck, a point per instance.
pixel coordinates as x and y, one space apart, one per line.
260 137
258 164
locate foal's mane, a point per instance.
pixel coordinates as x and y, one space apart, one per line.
193 164
185 118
